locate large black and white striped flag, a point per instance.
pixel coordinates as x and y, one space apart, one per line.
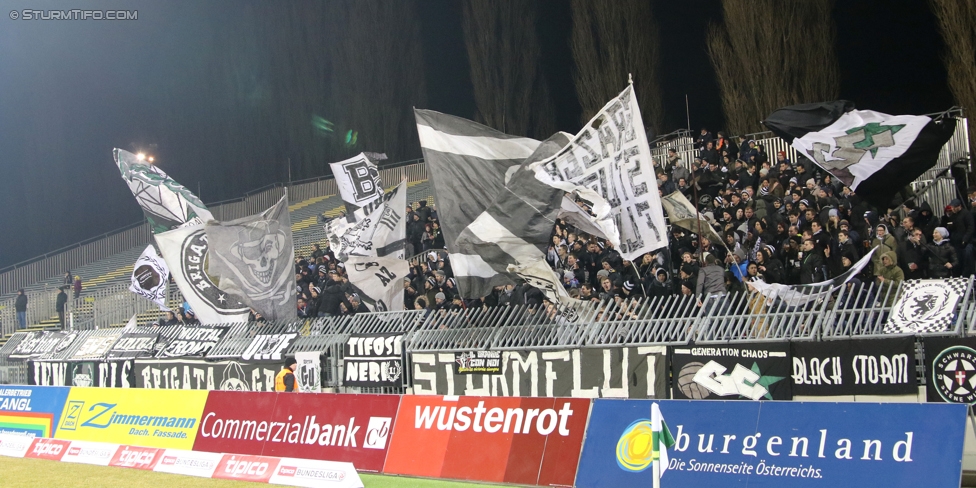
468 164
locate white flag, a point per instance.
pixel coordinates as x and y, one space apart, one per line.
308 372
538 274
149 277
609 164
379 281
186 250
358 180
380 228
131 324
683 214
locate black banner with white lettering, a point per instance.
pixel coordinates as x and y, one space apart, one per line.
620 372
374 360
197 374
950 369
133 345
108 374
855 367
193 342
41 344
268 347
748 371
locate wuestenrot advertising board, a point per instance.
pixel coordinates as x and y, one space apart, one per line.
529 441
326 426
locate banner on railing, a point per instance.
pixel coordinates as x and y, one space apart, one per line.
43 344
30 410
950 369
95 347
373 360
133 345
108 374
926 306
348 428
308 372
865 367
526 441
197 374
617 372
732 444
750 371
268 347
193 342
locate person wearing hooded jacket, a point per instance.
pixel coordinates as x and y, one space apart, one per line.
884 242
711 278
889 275
942 257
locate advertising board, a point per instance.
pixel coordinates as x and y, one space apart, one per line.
31 410
325 426
530 441
190 463
772 444
14 445
50 449
139 417
86 452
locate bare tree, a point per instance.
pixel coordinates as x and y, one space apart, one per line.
611 40
378 74
510 90
772 53
957 21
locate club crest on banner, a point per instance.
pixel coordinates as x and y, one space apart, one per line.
926 306
954 374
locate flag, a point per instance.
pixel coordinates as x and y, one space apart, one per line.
378 281
379 228
358 180
609 164
254 258
799 295
873 153
166 203
661 440
538 274
186 252
131 324
681 213
468 165
149 277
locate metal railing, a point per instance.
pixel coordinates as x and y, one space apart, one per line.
56 262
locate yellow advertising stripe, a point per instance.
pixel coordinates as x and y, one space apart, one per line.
139 417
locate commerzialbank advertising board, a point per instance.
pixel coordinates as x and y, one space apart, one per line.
138 417
774 444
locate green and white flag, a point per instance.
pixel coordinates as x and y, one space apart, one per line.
166 203
661 440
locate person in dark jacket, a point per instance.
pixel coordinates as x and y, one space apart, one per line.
771 268
21 307
811 264
711 278
61 304
941 254
912 259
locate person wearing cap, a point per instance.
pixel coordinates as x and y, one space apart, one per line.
285 379
439 299
942 257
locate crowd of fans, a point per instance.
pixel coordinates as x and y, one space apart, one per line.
780 221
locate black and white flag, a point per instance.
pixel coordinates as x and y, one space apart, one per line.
186 252
359 182
926 306
379 228
149 277
254 257
373 360
609 164
799 295
469 165
308 372
681 213
873 153
378 281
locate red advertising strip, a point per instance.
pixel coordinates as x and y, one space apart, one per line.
246 468
136 457
50 449
497 439
343 428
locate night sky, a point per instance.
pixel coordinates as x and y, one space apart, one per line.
70 91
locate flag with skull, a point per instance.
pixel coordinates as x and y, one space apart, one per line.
254 258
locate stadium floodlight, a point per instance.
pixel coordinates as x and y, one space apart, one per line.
141 156
150 159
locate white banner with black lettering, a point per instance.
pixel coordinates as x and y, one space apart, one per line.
378 281
373 360
358 180
308 372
